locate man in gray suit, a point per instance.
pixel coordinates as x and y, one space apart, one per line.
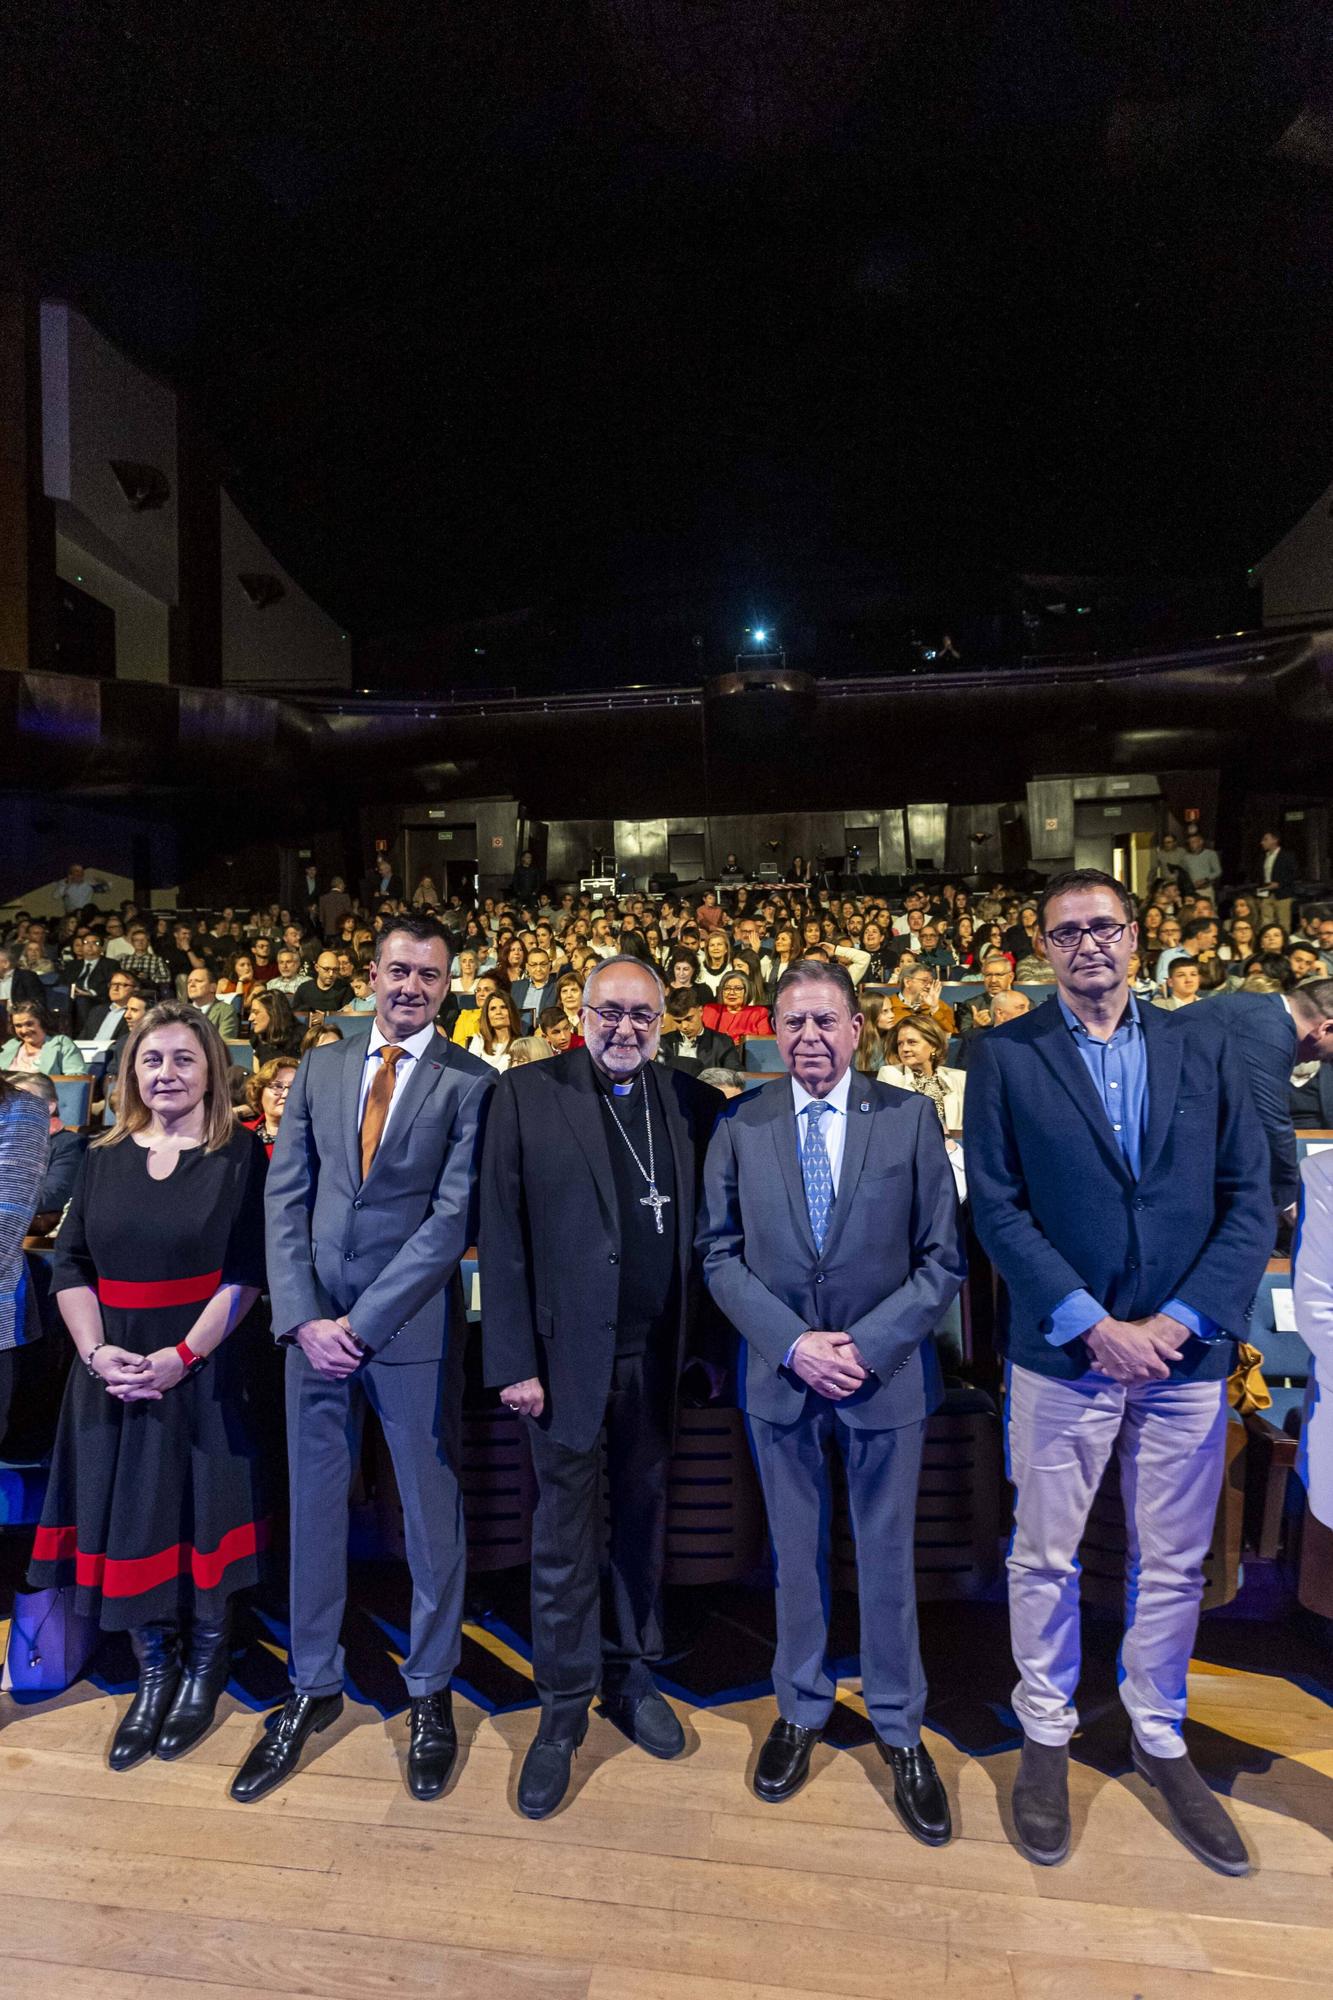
370 1205
830 1238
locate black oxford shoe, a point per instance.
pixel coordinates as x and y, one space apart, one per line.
1197 1818
647 1720
433 1744
278 1751
918 1794
544 1779
784 1761
1041 1803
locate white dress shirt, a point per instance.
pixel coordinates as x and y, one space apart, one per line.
1269 860
107 1031
834 1129
413 1050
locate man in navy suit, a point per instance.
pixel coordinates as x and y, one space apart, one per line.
1275 1034
1119 1184
830 1237
536 990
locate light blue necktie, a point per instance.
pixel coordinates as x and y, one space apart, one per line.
816 1172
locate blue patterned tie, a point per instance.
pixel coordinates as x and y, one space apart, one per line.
817 1173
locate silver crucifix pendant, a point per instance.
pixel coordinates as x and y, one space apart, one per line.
657 1202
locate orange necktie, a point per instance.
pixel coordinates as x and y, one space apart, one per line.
377 1105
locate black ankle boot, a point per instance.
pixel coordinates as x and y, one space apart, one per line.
207 1668
157 1649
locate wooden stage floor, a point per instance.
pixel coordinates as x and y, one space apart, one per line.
654 1882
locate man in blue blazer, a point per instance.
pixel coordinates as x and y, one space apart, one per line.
1119 1183
371 1202
1275 1033
830 1238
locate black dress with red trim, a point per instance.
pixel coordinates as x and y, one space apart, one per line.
155 1510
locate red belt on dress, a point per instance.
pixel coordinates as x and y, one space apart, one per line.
158 1292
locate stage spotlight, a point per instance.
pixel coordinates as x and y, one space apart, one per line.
760 636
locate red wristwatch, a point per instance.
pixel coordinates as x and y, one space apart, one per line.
187 1357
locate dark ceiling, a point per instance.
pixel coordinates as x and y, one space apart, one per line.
497 304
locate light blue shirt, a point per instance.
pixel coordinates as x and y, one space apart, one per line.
1118 1068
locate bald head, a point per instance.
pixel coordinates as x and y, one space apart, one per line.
1008 1006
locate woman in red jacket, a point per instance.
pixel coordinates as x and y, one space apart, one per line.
735 1011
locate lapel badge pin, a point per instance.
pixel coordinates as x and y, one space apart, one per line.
865 1104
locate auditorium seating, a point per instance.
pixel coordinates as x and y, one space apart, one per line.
74 1099
761 1055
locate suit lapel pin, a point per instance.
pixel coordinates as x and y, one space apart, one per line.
865 1104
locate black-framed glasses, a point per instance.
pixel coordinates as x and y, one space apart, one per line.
641 1019
1102 930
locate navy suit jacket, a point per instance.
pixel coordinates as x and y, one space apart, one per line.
1259 1027
1057 1209
892 1259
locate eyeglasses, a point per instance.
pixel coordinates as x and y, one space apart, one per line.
641 1019
1101 930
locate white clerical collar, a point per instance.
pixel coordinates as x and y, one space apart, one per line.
836 1099
415 1045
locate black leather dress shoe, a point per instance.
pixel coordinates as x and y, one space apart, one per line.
1041 1803
647 1720
1197 1818
544 1779
784 1761
433 1744
278 1751
918 1794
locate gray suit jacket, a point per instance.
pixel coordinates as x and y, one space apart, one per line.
384 1251
892 1260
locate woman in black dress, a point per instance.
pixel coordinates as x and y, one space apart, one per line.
153 1510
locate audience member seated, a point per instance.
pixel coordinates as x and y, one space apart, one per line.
17 984
147 966
529 1049
536 990
737 1010
920 995
272 1028
687 1043
1182 985
997 976
66 1149
1034 970
202 993
556 1029
715 962
320 1035
89 973
915 1051
726 1081
326 993
497 1028
467 1021
35 1044
266 1091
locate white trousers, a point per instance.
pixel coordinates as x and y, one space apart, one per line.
1170 1438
